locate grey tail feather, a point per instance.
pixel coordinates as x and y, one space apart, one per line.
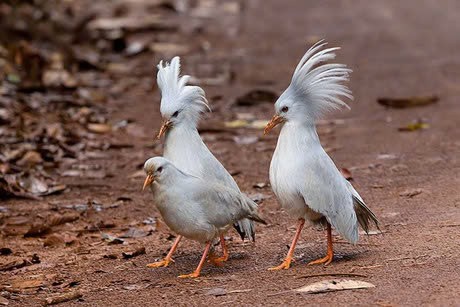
239 230
256 218
364 214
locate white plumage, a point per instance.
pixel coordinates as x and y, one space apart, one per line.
303 177
192 207
181 108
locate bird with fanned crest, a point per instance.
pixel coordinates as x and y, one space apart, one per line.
181 108
304 178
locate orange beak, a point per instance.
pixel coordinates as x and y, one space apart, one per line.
164 127
148 181
275 121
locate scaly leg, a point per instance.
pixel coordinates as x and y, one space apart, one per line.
197 271
330 252
168 259
287 261
218 260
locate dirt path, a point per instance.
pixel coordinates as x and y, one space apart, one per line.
396 48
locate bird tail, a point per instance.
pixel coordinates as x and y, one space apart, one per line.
245 227
364 214
318 84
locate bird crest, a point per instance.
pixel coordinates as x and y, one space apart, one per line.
318 85
176 95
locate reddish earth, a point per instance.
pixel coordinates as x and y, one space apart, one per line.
396 48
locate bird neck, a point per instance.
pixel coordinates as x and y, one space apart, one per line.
177 134
299 133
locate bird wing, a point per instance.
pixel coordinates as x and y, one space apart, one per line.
325 191
224 206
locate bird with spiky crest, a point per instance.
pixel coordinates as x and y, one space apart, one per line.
304 178
181 108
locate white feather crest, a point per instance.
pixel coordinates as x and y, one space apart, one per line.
320 85
176 94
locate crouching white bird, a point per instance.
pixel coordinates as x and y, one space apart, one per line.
181 108
305 180
194 208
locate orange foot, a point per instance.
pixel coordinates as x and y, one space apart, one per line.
326 260
286 264
163 263
217 261
192 275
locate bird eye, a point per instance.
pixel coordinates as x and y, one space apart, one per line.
175 114
160 169
284 109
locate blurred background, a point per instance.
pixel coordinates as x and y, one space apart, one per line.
79 109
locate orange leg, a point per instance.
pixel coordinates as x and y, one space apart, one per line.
287 261
218 260
330 252
168 259
197 271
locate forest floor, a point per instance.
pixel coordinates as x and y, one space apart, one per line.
84 237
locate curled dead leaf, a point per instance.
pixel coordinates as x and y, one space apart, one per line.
408 102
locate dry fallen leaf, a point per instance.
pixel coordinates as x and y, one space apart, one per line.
241 123
111 239
401 103
217 292
132 254
334 285
418 125
99 128
61 298
411 192
21 284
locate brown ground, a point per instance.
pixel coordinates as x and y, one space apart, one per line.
396 48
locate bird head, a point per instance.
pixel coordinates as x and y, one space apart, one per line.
181 104
285 109
156 169
316 87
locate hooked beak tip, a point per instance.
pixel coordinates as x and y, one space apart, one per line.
147 181
275 121
164 127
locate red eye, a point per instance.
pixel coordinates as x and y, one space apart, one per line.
284 109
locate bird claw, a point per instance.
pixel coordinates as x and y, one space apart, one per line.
283 266
192 275
326 260
218 260
159 264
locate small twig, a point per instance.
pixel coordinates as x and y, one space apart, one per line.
448 225
278 293
240 291
370 266
406 258
333 274
359 244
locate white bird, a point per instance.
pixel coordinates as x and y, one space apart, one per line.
181 108
305 180
197 209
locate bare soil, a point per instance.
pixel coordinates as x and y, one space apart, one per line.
396 49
